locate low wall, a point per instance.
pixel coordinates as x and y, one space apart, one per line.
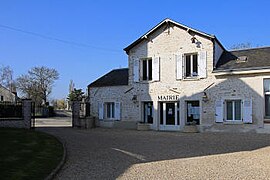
24 122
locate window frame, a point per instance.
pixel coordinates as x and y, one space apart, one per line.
109 110
149 69
233 110
265 93
192 76
145 111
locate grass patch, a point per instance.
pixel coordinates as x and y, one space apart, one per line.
27 154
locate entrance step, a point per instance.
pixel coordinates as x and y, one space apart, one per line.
190 129
265 129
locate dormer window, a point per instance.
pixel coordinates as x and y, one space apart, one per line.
241 59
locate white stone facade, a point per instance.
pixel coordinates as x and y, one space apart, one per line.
165 43
6 95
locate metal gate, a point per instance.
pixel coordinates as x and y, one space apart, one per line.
33 115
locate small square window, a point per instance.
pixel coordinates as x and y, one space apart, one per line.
233 110
109 110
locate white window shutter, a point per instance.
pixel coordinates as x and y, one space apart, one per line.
202 71
100 111
179 66
136 68
247 111
117 110
155 69
219 111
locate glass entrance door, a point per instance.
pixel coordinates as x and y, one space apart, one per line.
169 116
170 113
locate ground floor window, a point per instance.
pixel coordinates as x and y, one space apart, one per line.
266 87
193 112
148 112
109 110
233 110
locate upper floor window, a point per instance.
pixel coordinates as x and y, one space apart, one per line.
146 69
191 65
2 98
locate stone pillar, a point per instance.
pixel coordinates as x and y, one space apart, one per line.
75 113
27 116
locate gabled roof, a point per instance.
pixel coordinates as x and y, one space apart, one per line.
257 58
169 21
116 77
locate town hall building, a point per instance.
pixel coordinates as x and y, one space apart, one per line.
178 76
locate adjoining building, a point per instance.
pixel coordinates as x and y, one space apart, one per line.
7 95
178 76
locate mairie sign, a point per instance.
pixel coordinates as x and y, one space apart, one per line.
168 98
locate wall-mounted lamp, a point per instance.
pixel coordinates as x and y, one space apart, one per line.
205 97
134 99
193 39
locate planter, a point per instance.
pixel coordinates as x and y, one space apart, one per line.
143 127
190 129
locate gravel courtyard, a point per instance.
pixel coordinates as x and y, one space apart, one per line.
129 154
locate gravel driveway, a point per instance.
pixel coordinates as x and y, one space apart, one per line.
129 154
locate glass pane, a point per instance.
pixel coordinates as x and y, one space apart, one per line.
178 114
229 110
266 85
195 65
188 66
112 110
150 69
170 114
161 113
108 110
237 111
144 64
267 105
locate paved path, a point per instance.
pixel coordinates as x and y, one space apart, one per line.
126 154
62 119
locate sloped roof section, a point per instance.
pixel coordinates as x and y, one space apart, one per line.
255 58
116 77
169 21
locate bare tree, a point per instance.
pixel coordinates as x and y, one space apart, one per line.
241 46
37 84
6 76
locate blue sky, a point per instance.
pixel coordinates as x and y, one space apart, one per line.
109 26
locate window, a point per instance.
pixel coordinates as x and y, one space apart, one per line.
146 69
266 87
193 112
2 98
233 110
148 112
191 65
109 110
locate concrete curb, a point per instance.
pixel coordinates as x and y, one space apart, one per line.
62 162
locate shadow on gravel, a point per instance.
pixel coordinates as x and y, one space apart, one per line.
107 153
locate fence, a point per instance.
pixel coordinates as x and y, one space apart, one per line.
11 110
16 114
